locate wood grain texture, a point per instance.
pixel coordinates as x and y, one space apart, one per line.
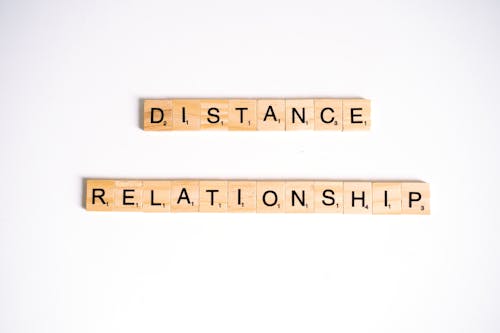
184 196
214 114
270 197
271 115
261 196
322 114
100 195
156 195
329 197
299 196
386 198
328 114
416 198
357 198
186 114
356 114
158 115
299 114
213 196
128 195
242 196
242 114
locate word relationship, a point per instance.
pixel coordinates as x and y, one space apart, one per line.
261 196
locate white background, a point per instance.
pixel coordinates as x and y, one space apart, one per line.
72 75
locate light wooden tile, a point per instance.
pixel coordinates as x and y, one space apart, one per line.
299 114
157 115
328 114
299 197
356 114
242 196
214 114
128 195
186 114
271 115
386 197
329 197
156 195
243 114
100 195
357 198
184 196
416 198
213 196
270 196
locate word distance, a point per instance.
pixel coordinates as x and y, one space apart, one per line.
257 114
262 196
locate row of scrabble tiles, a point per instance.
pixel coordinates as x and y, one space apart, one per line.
258 196
257 114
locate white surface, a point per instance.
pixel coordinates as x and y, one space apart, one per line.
72 75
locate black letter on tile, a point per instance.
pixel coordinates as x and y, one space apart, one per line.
325 192
362 198
275 198
183 114
295 112
270 113
241 113
183 196
153 121
212 196
419 196
213 115
153 203
323 119
356 115
301 200
125 197
99 196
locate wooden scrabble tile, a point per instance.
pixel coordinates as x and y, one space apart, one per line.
270 196
243 114
386 198
328 114
299 114
184 196
415 198
329 197
186 114
214 114
128 195
156 195
157 115
299 196
100 195
271 115
357 198
242 196
356 114
213 196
